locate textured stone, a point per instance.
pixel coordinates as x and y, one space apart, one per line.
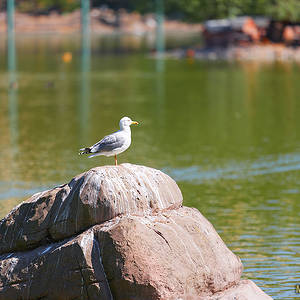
139 243
172 254
71 269
244 290
93 197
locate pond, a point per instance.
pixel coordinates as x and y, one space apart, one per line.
228 133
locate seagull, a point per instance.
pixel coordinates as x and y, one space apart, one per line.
112 144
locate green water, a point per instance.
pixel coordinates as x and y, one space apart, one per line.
228 133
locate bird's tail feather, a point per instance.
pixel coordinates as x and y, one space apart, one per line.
84 150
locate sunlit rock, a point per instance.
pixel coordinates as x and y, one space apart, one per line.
244 290
93 197
116 232
174 253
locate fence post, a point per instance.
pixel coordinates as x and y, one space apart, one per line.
11 47
160 39
85 69
12 84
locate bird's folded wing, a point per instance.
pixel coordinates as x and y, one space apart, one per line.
108 143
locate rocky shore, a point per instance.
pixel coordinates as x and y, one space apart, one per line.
268 53
103 21
116 232
106 21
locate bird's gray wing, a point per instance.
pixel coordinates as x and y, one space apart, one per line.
108 143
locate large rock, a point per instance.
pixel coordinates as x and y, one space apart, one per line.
93 197
139 243
174 253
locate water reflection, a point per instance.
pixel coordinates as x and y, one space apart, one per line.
264 166
12 84
160 86
84 106
13 117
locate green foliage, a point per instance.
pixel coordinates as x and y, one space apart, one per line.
285 10
199 10
191 10
44 6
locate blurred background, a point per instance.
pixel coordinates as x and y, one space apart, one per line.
214 85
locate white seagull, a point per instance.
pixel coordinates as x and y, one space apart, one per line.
114 143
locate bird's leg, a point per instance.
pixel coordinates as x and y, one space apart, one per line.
116 161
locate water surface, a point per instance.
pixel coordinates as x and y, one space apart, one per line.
228 133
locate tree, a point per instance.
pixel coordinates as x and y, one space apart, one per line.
191 10
44 6
288 10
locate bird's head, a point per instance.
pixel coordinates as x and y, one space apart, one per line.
126 122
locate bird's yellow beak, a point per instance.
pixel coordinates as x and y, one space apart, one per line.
135 122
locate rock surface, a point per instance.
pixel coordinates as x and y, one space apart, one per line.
93 197
244 290
174 253
139 243
70 269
